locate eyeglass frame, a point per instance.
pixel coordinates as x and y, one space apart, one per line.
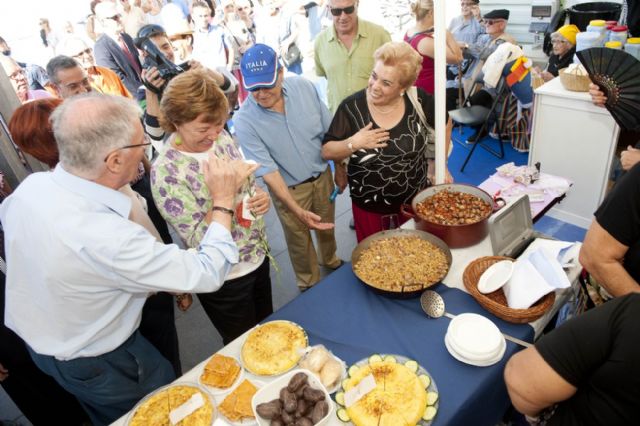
135 145
87 51
559 40
337 11
14 75
117 17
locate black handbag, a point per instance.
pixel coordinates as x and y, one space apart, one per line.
293 55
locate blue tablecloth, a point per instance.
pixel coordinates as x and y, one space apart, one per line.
354 322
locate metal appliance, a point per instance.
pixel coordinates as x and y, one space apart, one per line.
541 13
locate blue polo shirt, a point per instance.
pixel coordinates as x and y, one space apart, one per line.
291 142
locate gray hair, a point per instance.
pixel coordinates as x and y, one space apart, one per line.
88 127
58 63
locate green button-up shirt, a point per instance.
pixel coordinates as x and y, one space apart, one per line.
347 71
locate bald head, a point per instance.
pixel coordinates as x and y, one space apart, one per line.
17 76
88 127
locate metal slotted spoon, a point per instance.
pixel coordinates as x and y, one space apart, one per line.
433 305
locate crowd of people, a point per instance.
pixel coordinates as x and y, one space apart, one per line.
169 115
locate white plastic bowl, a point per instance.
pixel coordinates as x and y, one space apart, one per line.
272 391
496 276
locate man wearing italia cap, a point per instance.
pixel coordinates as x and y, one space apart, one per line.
281 126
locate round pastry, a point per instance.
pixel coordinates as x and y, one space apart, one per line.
273 348
399 397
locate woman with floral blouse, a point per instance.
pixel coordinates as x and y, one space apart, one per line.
194 110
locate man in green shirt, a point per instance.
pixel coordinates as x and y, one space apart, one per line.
344 55
344 51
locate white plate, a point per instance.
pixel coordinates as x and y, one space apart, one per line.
475 335
219 391
462 359
495 276
246 422
272 391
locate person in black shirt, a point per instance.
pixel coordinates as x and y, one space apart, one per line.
564 47
631 17
611 248
586 372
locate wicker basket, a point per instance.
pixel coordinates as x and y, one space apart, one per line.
496 302
574 81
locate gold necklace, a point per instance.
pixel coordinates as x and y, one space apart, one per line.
382 111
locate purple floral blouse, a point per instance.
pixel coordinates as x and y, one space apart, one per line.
183 199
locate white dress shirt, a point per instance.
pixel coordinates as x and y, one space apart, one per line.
79 271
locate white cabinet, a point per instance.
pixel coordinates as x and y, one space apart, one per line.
573 138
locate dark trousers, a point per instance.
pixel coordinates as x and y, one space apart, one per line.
109 385
240 303
158 326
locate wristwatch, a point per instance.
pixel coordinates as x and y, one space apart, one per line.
223 210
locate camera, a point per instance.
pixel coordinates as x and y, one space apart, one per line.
155 58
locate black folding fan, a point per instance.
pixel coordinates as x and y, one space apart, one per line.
618 75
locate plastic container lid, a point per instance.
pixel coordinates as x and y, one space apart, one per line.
633 40
613 44
619 28
610 26
611 22
597 23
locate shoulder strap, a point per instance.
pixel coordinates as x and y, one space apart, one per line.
412 93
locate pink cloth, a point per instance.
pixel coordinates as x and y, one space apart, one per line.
425 79
368 223
32 95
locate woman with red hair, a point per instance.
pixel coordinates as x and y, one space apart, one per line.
31 131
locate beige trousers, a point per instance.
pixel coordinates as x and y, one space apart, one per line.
312 196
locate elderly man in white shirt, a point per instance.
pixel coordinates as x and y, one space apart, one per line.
79 271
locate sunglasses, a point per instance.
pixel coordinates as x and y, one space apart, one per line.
492 21
337 11
135 145
114 18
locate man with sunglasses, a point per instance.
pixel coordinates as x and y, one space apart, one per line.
101 79
115 49
81 271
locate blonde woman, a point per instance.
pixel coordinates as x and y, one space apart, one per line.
420 37
381 132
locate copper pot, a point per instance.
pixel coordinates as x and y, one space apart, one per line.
456 236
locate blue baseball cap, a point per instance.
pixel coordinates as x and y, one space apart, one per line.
259 67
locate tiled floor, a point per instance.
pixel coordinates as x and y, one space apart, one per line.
199 339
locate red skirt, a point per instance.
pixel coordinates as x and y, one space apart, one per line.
368 223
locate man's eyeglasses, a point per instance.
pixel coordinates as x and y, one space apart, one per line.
18 75
135 145
86 51
337 11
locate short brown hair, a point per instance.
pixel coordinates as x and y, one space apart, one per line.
188 96
403 57
31 130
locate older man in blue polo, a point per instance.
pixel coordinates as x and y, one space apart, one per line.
281 126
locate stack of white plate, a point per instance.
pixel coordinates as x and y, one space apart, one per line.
474 339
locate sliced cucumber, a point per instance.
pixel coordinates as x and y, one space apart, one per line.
390 358
429 413
432 398
412 365
340 398
353 370
425 380
375 358
345 382
344 416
